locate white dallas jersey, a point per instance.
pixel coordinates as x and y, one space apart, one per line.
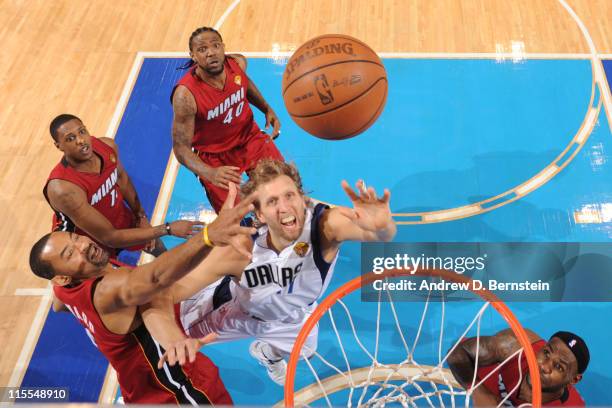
285 286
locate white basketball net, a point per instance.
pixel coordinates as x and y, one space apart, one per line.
407 382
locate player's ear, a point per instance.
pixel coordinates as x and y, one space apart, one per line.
61 280
576 379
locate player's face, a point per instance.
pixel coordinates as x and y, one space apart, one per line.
558 366
282 208
75 256
74 140
208 52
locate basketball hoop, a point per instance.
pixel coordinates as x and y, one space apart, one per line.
439 382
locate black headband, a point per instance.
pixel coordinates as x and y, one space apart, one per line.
577 346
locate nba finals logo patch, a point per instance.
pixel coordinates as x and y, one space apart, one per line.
113 158
238 80
301 248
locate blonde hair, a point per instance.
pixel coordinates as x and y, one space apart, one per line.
268 170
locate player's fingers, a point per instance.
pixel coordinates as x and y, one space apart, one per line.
209 338
245 206
372 194
276 130
231 197
172 356
243 231
361 187
386 196
221 183
180 354
349 191
162 360
192 350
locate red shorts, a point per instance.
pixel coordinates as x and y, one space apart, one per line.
259 146
204 376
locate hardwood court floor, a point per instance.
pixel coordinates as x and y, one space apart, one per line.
74 56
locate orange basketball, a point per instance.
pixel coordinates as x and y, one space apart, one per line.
334 86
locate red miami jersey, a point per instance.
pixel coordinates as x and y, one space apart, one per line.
224 118
135 355
101 190
503 380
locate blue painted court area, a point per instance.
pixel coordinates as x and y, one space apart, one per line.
453 132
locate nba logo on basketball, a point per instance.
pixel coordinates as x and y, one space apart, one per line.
322 87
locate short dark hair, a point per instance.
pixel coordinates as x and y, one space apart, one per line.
59 121
41 268
199 31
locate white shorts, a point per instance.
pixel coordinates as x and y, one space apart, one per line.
230 322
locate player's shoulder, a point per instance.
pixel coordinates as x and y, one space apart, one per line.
240 60
63 188
183 100
109 142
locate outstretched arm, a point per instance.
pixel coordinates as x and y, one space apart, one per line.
71 200
369 219
119 290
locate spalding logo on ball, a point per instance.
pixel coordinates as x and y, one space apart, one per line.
334 86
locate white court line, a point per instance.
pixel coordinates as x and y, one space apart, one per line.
229 9
33 291
600 75
125 94
31 339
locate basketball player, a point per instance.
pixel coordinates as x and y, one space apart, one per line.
91 193
214 134
294 254
105 300
562 361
